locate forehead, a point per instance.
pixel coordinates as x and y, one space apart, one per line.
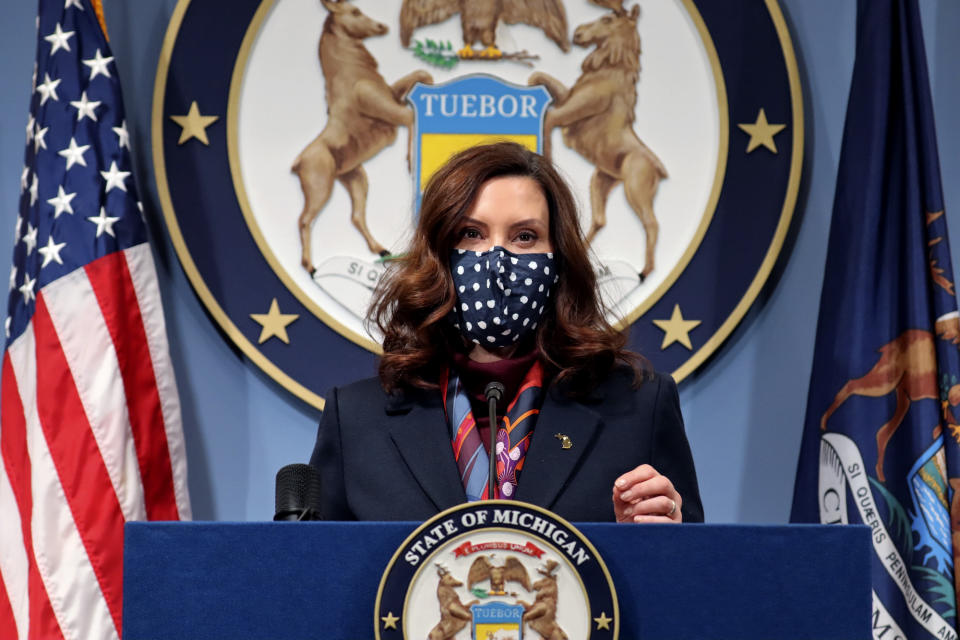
509 198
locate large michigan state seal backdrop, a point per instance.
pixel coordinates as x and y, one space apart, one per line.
292 140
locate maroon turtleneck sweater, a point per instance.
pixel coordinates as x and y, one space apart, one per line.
475 375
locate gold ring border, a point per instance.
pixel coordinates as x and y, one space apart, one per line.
465 534
493 503
786 213
365 342
176 237
718 176
233 104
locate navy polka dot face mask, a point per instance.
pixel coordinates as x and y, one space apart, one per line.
500 295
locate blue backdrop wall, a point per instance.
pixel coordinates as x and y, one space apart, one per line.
744 410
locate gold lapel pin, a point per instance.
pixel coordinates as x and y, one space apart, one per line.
565 441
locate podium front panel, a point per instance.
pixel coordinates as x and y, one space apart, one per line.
319 580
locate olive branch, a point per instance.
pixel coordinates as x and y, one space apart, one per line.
439 54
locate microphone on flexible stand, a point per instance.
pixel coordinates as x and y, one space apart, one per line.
494 392
297 493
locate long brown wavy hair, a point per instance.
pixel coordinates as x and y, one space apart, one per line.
411 304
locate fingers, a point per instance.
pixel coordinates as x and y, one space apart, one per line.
657 506
657 509
651 519
644 495
648 487
634 476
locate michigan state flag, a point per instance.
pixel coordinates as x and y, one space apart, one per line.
881 443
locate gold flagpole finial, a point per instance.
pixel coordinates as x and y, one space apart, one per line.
98 9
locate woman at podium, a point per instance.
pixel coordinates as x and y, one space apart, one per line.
497 286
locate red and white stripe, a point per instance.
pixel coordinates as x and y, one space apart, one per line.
90 437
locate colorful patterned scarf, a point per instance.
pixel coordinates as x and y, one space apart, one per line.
514 431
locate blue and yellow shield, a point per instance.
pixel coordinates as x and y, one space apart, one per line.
497 620
471 110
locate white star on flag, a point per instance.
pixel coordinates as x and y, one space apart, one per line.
48 89
30 238
30 124
122 135
58 39
51 252
38 139
103 222
73 3
33 190
85 107
61 202
98 65
27 288
74 154
24 179
114 177
13 278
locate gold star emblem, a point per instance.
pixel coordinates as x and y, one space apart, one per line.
676 329
603 622
762 132
274 323
389 620
194 125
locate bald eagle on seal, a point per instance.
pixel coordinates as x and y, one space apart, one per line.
479 20
512 570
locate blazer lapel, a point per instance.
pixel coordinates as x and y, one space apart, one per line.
547 466
423 441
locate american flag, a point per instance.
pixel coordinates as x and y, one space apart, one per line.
90 431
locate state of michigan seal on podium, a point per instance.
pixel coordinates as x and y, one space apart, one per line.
292 141
496 570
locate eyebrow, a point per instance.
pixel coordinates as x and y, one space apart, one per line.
529 222
519 223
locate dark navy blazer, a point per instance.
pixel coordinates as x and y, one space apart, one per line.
384 457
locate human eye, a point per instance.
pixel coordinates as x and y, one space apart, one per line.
470 233
526 237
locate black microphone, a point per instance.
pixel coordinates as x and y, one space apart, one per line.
297 493
494 392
